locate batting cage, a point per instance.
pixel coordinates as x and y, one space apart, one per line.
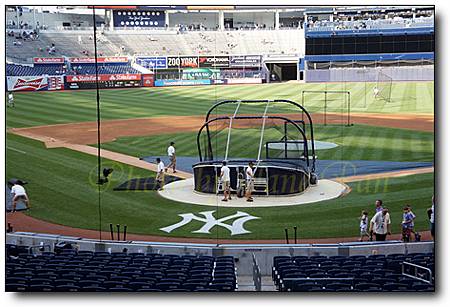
383 88
280 145
334 106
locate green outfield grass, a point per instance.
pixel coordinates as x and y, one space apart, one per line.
44 108
359 142
63 191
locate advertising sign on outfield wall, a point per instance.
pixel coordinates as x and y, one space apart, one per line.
91 78
55 83
171 82
35 83
214 61
154 62
244 81
182 62
48 60
113 59
245 61
148 80
200 73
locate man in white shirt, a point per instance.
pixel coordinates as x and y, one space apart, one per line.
160 174
225 178
431 216
376 92
380 225
249 182
10 100
18 193
172 157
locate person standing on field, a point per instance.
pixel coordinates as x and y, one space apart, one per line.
11 100
172 157
160 174
431 215
225 178
249 180
378 205
380 225
363 224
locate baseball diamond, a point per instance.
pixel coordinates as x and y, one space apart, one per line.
220 148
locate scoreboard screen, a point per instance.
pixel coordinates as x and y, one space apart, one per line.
103 84
370 44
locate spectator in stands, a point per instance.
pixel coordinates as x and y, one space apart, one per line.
172 157
160 174
18 193
378 205
225 179
430 212
407 224
363 225
380 225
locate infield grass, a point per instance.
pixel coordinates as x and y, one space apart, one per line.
359 142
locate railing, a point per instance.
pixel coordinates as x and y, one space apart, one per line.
406 266
370 24
256 274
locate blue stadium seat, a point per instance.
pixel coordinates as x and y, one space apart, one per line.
12 287
367 286
395 286
93 289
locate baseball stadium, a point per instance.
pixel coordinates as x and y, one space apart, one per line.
220 148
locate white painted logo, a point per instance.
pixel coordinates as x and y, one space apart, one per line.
236 228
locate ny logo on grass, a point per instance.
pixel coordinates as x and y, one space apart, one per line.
236 228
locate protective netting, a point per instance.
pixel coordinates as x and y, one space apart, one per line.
330 106
383 88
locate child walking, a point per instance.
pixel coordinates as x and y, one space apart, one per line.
363 223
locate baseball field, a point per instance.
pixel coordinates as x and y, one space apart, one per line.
141 122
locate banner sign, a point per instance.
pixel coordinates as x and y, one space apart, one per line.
48 60
245 61
200 73
214 61
219 81
140 18
182 62
55 83
182 82
148 80
116 59
27 83
156 62
91 78
244 81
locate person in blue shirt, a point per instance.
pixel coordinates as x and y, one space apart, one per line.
407 224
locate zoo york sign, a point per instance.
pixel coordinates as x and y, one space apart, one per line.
236 228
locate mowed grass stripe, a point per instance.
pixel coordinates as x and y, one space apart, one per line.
77 106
